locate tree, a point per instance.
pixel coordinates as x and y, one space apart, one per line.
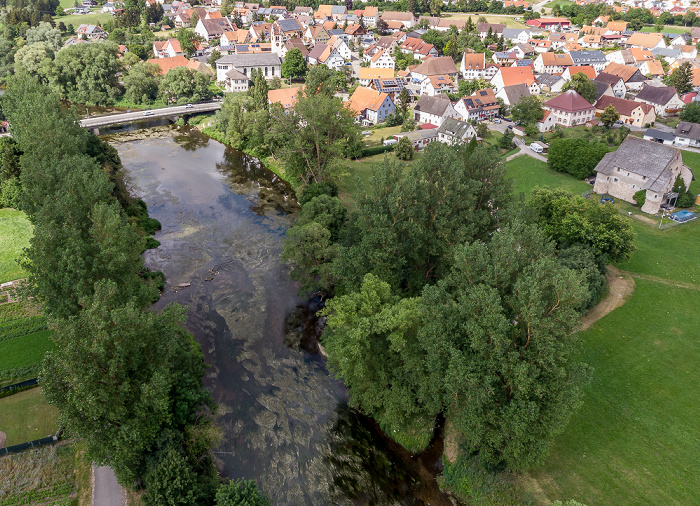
506 140
215 55
183 85
468 87
404 149
402 103
569 219
691 112
435 7
685 198
583 86
154 13
36 60
682 78
482 130
46 33
294 64
87 73
528 110
688 18
640 197
469 26
194 18
138 50
259 90
382 27
170 481
609 116
578 157
141 83
130 17
241 493
187 39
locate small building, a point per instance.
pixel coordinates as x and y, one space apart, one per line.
637 165
454 131
616 83
511 76
687 134
631 76
434 110
595 59
236 82
570 109
434 85
665 99
420 138
660 136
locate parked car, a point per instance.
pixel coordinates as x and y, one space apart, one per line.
507 119
496 120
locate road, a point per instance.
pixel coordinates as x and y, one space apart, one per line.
106 491
127 117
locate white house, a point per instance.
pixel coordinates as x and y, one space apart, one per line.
434 110
434 85
454 131
269 64
382 60
370 106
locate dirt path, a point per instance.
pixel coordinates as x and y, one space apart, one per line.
663 281
620 288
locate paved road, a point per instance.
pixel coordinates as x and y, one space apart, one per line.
106 491
126 117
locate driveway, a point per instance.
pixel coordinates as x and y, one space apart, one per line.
524 150
106 491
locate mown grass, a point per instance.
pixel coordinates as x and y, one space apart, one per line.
15 232
509 21
635 441
526 173
26 416
94 18
666 29
39 476
25 351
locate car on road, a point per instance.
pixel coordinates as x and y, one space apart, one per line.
189 106
148 113
496 120
507 119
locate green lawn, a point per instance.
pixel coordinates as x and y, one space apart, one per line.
667 29
94 18
635 440
15 232
509 21
26 416
363 169
374 139
25 350
527 172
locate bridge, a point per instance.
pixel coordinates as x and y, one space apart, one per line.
166 112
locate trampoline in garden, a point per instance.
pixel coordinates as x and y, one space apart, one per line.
683 216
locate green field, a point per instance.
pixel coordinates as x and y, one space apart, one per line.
361 170
25 351
635 440
15 232
509 21
94 18
527 172
666 29
26 416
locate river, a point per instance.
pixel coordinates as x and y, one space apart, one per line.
286 422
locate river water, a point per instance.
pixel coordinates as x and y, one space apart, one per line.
286 422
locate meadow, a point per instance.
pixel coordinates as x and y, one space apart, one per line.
15 232
526 173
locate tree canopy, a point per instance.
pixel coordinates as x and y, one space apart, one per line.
528 110
582 85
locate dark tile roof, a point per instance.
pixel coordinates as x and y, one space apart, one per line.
656 94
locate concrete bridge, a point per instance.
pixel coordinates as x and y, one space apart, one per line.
95 123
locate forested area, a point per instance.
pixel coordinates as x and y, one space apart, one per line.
447 296
126 380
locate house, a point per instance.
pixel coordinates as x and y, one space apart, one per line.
474 66
288 29
595 59
523 50
552 63
646 40
631 76
549 24
616 26
662 137
550 83
325 54
602 90
267 63
82 9
438 66
434 85
91 32
370 106
382 60
652 68
168 63
546 123
587 70
505 58
295 44
420 138
369 74
418 47
480 105
405 18
511 95
637 165
369 16
434 110
591 41
340 45
516 35
483 29
392 86
356 32
210 29
541 46
631 112
159 47
510 76
236 81
316 34
665 99
687 134
615 82
454 131
570 109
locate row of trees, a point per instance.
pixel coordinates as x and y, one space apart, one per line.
126 380
447 298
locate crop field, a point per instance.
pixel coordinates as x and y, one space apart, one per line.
24 339
15 232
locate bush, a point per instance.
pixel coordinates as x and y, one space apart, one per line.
241 492
506 141
11 193
582 258
577 157
640 197
313 190
404 149
377 150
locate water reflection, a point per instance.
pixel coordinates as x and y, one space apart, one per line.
286 423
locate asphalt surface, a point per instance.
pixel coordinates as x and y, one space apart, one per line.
106 491
125 117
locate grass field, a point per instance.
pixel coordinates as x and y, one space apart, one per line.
26 416
666 29
94 18
361 170
25 351
635 441
40 476
526 173
509 21
15 232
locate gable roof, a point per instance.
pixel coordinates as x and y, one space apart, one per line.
495 27
474 61
517 75
366 98
655 68
375 73
516 92
688 129
287 97
433 105
441 81
623 71
606 78
169 63
289 25
397 16
569 101
622 106
660 95
454 128
587 57
236 76
251 59
436 66
644 39
584 69
551 59
645 158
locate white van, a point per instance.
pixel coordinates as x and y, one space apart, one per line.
536 147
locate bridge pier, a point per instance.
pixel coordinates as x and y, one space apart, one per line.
95 130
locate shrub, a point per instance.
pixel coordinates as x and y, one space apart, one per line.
11 193
313 190
377 150
404 149
640 197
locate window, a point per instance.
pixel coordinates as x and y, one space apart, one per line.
628 174
265 71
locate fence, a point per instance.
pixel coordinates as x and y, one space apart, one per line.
37 443
11 389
